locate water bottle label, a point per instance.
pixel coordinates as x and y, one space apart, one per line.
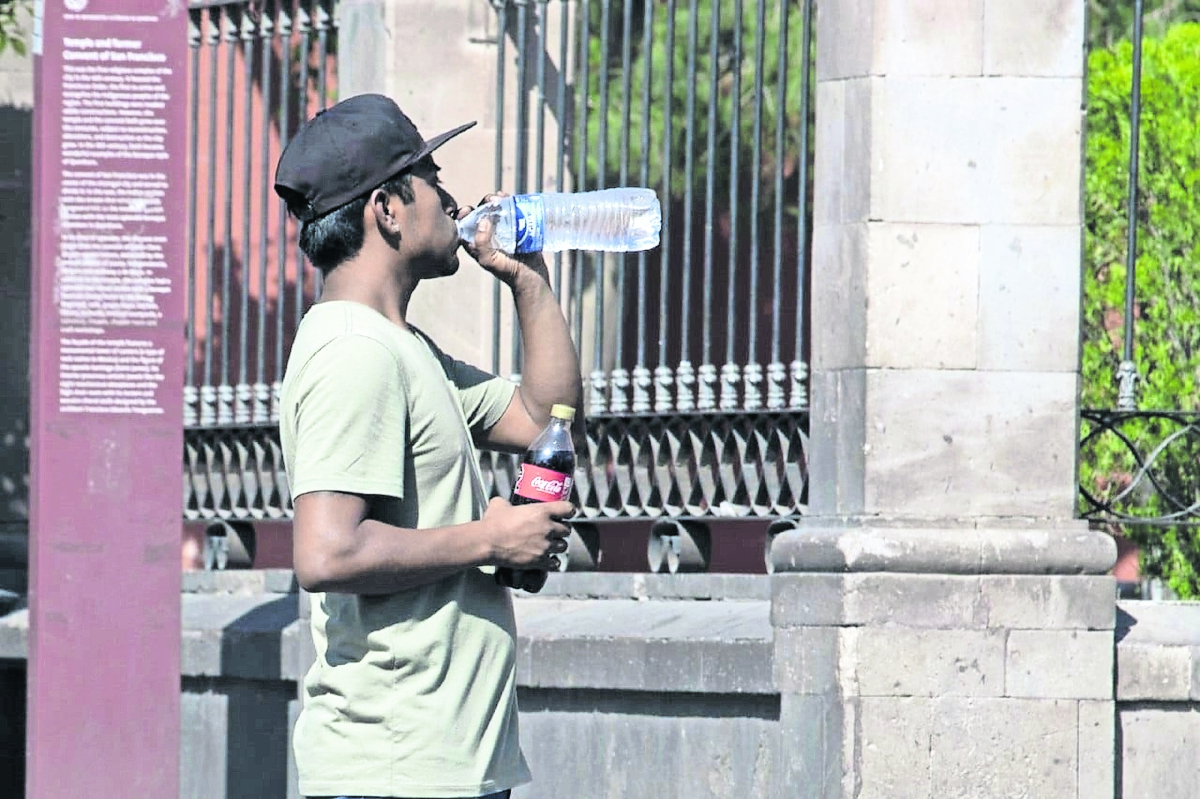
530 223
542 485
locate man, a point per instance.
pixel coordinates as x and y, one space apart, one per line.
413 692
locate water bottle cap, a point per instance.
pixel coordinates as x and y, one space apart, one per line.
564 412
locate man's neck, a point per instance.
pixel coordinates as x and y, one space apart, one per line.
355 281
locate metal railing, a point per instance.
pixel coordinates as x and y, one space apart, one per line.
720 129
1139 464
256 71
1144 467
694 353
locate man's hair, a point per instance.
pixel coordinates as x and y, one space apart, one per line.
336 237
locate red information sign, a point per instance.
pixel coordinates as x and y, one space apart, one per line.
107 365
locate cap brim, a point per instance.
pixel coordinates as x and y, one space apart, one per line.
438 141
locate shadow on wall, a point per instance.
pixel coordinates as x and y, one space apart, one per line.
16 157
237 727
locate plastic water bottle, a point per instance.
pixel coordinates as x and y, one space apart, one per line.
609 220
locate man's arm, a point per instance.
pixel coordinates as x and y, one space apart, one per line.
550 373
346 469
338 546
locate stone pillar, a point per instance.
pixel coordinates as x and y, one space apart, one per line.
943 623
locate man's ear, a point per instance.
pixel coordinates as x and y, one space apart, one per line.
386 210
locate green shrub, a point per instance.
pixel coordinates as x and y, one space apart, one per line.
1167 312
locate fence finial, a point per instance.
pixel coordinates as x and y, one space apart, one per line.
1127 380
664 380
598 384
618 397
685 383
642 383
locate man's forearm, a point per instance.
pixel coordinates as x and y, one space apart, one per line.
550 369
382 559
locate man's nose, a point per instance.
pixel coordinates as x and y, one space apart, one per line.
448 203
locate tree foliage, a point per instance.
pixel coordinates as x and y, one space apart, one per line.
696 79
1167 309
14 15
1110 21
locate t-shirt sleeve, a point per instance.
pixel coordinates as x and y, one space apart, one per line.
484 396
351 419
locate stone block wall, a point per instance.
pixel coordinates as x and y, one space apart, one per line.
644 688
634 688
244 652
957 685
969 650
628 687
1158 699
649 744
235 739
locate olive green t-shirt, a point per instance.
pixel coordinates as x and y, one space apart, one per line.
412 694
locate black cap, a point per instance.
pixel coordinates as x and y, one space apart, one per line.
347 150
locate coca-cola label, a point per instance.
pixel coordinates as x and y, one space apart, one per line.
530 223
542 485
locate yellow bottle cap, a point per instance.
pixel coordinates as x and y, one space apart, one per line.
564 412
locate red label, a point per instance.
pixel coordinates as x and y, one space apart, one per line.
543 485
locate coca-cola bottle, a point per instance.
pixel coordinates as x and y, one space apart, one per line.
544 476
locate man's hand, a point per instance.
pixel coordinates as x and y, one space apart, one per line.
527 536
507 268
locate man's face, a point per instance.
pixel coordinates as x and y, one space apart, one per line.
432 235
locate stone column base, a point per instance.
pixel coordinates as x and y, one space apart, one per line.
939 546
920 685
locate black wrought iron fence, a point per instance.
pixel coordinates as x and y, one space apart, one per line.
1140 446
1144 467
708 102
257 69
1140 451
695 353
